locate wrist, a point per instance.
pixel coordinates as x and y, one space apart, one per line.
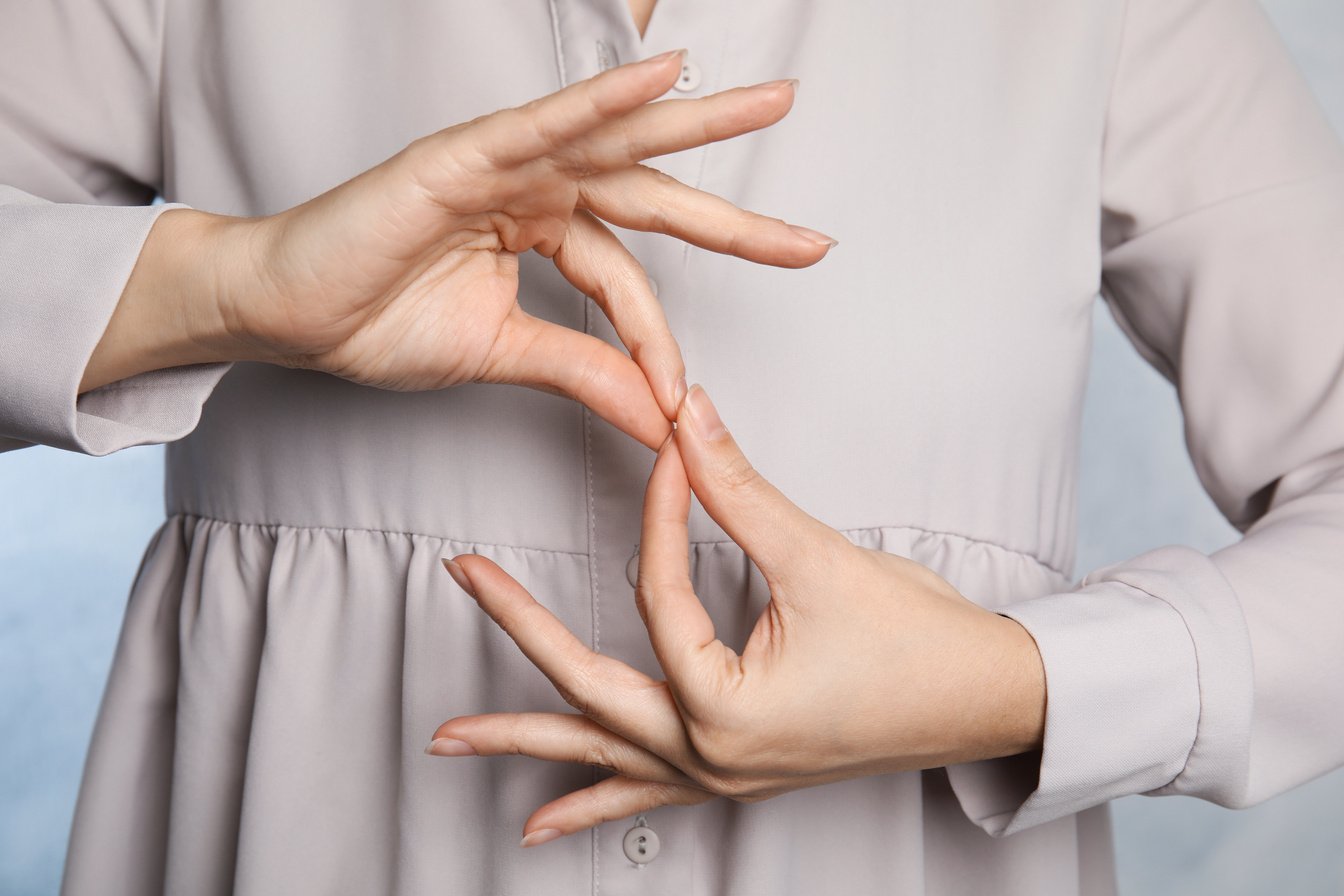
174 309
1024 696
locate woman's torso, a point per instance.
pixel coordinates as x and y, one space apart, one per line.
920 389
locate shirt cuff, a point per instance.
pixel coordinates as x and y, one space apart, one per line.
63 268
1147 669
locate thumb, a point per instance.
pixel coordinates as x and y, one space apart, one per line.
555 359
775 533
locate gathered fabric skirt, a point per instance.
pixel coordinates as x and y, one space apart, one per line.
274 688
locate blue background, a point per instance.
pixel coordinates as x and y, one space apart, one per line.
73 529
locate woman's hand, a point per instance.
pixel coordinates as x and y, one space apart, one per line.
406 276
863 662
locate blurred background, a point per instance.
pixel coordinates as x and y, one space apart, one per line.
73 529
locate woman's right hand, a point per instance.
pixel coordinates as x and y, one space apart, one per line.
405 277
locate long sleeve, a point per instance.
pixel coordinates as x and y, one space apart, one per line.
80 158
1222 229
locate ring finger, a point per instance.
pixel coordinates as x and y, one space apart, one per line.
557 737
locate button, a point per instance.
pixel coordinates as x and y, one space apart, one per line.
641 845
653 285
632 568
690 76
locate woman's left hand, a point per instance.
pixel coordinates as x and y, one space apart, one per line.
863 662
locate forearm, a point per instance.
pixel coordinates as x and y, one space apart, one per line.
171 312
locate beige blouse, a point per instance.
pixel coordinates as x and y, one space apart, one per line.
989 167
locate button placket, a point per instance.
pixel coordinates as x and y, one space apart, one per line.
594 36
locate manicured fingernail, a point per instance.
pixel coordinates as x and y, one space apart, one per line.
679 391
703 414
808 233
459 575
450 746
661 57
536 838
766 85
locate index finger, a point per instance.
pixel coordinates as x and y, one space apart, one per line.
512 136
593 259
613 694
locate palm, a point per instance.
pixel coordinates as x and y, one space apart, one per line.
406 276
413 296
438 329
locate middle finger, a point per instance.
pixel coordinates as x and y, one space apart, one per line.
558 737
595 261
668 126
644 198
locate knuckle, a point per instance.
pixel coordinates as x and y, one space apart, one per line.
574 691
596 753
513 744
577 687
661 180
738 474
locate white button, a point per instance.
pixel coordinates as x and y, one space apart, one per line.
690 76
641 845
653 285
632 568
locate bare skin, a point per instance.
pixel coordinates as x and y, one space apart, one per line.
863 662
641 11
406 276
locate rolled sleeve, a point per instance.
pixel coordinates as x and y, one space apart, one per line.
63 269
1148 671
1216 676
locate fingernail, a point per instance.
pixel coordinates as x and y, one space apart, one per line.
766 85
662 57
449 746
536 838
820 239
459 575
703 414
678 392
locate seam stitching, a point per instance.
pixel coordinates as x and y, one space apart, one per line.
264 525
559 45
592 534
1325 174
158 98
942 533
595 604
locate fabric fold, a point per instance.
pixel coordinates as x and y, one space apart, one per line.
63 268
